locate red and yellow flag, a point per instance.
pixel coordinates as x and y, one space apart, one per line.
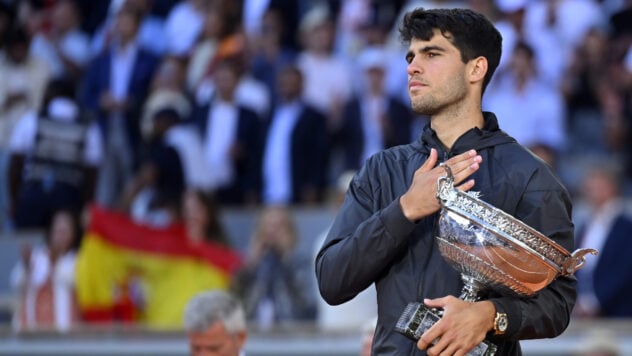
130 272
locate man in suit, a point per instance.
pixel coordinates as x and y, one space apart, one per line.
604 283
373 120
296 147
231 137
114 91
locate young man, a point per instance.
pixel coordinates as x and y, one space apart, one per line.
215 323
384 232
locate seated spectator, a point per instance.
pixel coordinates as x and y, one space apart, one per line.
200 215
45 277
275 280
153 196
215 323
54 158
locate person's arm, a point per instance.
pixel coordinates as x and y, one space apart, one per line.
364 240
361 242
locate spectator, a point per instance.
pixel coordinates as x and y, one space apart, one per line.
529 109
151 27
200 213
583 87
374 120
44 277
216 325
167 90
54 158
327 83
24 79
603 284
274 282
114 91
296 148
232 141
269 55
63 46
216 40
153 196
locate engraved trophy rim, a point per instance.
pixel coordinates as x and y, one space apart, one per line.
469 206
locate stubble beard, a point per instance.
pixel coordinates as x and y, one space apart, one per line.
431 104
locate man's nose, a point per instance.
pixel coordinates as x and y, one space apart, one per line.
414 67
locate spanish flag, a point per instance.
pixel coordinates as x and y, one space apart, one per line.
130 272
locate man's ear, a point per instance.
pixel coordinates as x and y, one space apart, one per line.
241 339
478 69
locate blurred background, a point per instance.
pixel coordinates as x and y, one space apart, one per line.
153 149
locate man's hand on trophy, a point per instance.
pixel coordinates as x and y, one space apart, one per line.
420 199
462 327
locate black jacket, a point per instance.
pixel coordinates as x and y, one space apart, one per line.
308 153
371 241
396 131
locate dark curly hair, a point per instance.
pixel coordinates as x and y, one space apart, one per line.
470 32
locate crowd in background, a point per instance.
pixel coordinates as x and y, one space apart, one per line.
151 107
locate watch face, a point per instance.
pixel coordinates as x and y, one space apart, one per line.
502 322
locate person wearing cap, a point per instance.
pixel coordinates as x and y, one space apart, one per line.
373 120
384 232
54 158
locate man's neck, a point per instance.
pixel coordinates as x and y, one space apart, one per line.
452 124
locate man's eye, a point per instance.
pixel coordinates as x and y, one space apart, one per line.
409 59
431 54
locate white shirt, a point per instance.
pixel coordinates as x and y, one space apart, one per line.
23 139
220 136
534 115
326 81
249 93
63 281
373 108
191 151
121 70
75 45
182 27
277 167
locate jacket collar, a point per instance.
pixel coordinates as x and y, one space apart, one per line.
490 135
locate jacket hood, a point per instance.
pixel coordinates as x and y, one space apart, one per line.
490 135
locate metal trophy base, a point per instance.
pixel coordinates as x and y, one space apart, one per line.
417 318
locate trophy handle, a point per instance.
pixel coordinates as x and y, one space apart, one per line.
577 260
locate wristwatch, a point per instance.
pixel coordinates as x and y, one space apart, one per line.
500 323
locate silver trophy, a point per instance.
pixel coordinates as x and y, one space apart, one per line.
492 250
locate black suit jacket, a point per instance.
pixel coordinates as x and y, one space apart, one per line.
97 81
309 151
246 162
612 277
351 137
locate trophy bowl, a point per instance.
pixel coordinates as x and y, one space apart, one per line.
492 250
